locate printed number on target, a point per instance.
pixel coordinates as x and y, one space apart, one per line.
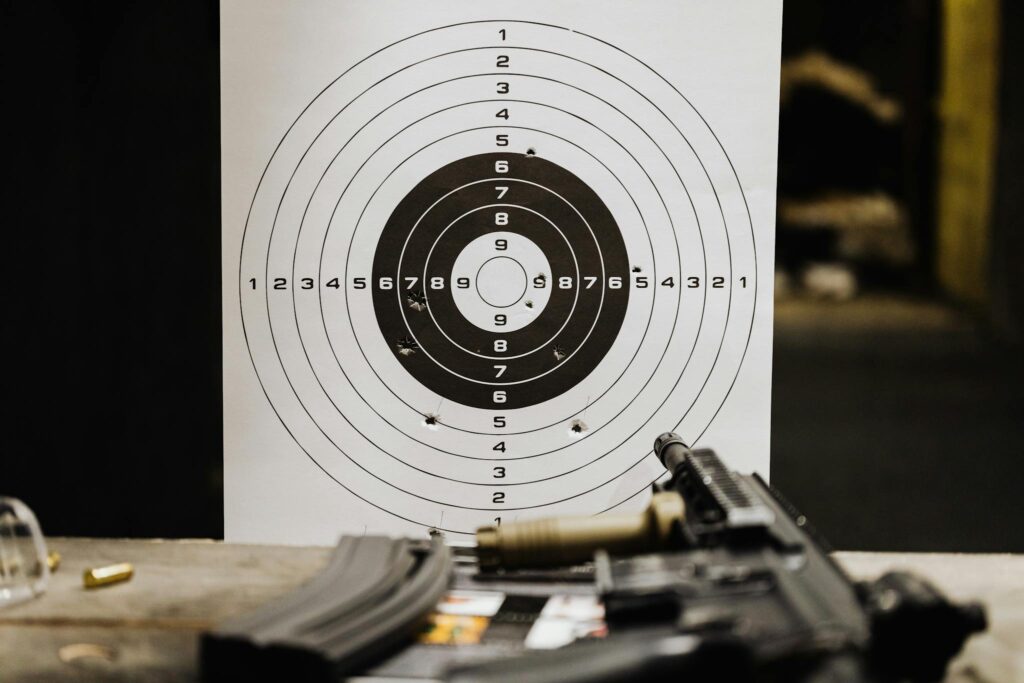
477 256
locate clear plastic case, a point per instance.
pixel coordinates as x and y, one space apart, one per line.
24 572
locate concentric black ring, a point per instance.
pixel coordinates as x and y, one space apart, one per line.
543 332
618 180
557 354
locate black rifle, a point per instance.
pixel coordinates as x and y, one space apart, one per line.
743 589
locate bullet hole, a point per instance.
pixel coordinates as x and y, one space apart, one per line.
559 353
540 280
577 428
636 269
417 300
406 346
530 153
431 421
529 304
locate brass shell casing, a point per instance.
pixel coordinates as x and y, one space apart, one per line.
560 541
104 576
53 560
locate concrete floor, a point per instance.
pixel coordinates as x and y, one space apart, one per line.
897 424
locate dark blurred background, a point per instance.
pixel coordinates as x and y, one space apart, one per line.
898 397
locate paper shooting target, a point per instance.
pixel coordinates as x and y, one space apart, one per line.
486 265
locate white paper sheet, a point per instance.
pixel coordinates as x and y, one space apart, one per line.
477 256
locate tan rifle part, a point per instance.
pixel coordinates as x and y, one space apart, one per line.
560 541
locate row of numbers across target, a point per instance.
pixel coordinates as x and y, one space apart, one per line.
386 283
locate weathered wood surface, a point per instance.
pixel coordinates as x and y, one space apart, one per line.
150 623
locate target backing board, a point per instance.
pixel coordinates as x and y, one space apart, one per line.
478 255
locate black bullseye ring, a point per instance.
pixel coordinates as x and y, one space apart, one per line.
456 358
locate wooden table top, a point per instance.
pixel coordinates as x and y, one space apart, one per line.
147 628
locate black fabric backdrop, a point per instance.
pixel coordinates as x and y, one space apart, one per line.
111 215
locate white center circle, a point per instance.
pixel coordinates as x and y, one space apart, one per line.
501 281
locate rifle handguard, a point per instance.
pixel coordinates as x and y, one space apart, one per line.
561 541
